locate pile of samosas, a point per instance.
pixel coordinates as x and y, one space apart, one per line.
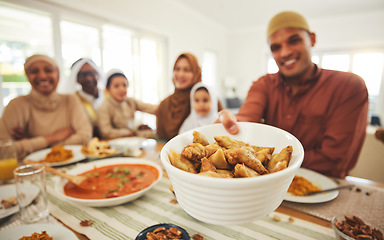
228 158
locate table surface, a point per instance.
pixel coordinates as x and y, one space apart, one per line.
152 152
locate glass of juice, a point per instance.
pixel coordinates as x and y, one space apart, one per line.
8 160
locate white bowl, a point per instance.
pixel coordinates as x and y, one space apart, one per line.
129 146
59 187
233 201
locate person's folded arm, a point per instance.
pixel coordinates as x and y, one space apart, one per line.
15 115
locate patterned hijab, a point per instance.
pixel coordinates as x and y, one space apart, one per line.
175 109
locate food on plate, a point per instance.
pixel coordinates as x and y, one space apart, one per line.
8 203
356 228
300 186
113 181
58 154
98 148
37 236
164 233
228 158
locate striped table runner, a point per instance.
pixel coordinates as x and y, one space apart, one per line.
127 220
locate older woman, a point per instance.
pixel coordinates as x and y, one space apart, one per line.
44 118
175 108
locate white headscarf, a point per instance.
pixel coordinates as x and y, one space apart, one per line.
72 86
194 120
111 72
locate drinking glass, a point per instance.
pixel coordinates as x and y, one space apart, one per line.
31 193
8 160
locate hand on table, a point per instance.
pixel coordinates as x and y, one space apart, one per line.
18 133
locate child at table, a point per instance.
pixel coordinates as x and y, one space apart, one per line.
116 114
203 110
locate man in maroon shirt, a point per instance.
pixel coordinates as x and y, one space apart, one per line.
326 110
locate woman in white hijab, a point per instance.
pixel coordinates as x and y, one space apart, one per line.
203 108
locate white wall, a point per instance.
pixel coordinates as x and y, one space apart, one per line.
248 49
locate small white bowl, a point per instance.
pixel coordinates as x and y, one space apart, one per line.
59 187
237 200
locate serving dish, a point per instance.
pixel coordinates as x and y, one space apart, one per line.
8 191
59 186
57 232
142 234
38 156
128 146
318 180
233 201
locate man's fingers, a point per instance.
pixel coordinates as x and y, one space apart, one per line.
228 119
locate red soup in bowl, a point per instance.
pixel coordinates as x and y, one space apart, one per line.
113 181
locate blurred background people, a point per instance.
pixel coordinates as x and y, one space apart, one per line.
326 110
87 81
44 118
116 115
175 108
204 108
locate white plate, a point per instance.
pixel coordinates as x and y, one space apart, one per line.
81 168
57 232
8 191
129 146
40 155
319 180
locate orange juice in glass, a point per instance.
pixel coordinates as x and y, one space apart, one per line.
8 160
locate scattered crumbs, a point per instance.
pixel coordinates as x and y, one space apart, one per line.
337 181
86 223
173 201
291 219
358 190
276 218
197 236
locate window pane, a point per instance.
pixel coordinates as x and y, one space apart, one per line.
336 62
22 34
117 52
79 41
148 77
209 68
370 67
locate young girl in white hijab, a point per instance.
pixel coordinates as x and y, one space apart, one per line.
203 108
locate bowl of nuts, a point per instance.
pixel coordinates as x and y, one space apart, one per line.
163 231
354 228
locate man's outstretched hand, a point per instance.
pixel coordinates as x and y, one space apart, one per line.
229 121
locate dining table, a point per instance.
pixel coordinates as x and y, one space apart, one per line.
291 220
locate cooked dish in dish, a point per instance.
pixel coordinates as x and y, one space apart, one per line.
98 148
228 158
58 154
300 186
113 181
37 236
